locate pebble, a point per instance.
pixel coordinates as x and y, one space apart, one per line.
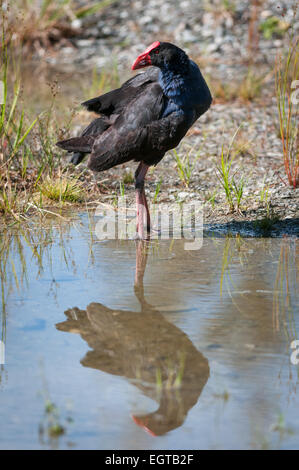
183 195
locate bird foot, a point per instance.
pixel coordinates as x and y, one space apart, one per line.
142 236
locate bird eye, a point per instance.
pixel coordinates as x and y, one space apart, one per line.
156 51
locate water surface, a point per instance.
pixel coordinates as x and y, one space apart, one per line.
118 345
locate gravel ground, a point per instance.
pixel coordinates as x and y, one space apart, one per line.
217 30
215 34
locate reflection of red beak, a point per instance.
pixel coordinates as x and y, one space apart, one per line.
144 59
143 425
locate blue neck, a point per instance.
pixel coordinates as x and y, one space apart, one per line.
176 88
185 90
172 82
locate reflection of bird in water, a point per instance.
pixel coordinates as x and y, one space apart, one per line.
144 347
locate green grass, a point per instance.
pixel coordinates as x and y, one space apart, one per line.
210 197
14 132
29 160
63 189
273 26
157 190
128 178
185 165
232 186
264 193
122 189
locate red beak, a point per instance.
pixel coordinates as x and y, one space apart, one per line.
144 59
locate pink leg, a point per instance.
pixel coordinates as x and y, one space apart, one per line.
143 215
148 217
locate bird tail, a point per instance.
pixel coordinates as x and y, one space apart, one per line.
94 104
77 144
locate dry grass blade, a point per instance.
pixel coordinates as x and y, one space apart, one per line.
286 80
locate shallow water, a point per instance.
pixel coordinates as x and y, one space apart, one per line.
133 346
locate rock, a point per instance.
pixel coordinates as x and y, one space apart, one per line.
183 195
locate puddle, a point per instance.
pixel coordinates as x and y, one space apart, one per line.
120 345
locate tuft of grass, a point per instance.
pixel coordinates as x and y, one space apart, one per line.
14 151
91 8
157 190
63 189
229 6
210 197
233 188
122 189
40 24
286 80
264 193
185 165
28 156
9 203
247 89
128 178
221 8
242 146
273 26
251 85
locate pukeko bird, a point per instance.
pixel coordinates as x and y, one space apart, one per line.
144 118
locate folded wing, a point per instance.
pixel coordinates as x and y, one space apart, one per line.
113 102
139 133
109 106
